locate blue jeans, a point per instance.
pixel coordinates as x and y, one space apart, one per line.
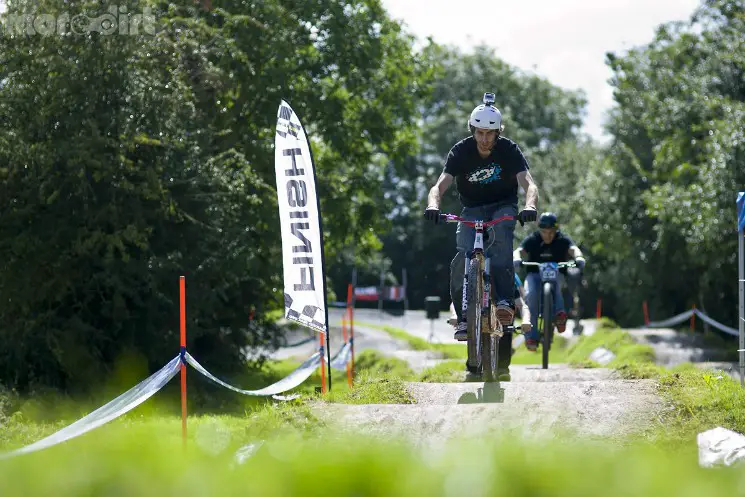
534 294
498 250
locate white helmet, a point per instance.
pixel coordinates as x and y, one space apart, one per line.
485 117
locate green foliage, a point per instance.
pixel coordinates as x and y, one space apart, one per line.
147 459
127 161
653 210
659 210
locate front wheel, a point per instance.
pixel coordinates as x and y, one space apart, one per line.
489 356
548 325
475 295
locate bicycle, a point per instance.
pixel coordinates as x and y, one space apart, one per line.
549 272
478 305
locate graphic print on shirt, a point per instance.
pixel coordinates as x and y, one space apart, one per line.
487 174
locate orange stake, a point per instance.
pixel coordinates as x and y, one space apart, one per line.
182 285
693 319
645 309
599 310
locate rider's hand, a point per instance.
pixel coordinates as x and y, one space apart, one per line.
432 214
580 261
517 263
527 215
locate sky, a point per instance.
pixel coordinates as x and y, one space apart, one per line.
564 41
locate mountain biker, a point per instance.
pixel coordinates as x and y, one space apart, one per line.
548 244
487 169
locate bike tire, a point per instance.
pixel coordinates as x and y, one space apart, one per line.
548 325
489 356
473 312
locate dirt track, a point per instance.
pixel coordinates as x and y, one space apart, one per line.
583 402
590 402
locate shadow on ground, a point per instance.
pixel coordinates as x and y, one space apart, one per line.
490 393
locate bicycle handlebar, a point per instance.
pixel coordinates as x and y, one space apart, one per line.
560 264
452 218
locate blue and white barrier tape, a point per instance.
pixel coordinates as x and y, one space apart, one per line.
117 407
684 316
148 387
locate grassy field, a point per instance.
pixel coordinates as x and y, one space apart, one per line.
142 454
697 400
146 458
378 380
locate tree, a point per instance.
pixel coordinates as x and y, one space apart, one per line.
669 178
126 161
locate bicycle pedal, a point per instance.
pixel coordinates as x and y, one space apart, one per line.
497 333
504 316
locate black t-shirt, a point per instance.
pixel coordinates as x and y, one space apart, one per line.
557 251
486 181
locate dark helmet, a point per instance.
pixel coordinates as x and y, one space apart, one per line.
548 220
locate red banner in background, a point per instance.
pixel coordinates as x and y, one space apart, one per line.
372 293
366 293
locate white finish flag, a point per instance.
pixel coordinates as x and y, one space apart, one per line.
302 249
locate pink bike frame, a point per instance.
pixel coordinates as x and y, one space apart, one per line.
478 246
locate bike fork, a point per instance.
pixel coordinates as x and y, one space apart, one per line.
485 308
464 305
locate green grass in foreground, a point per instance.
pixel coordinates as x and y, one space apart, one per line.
140 453
147 459
694 400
